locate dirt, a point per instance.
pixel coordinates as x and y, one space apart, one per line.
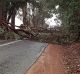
72 58
58 59
50 62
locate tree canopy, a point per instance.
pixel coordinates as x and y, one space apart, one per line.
68 11
69 14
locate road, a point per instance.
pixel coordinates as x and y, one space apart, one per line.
17 57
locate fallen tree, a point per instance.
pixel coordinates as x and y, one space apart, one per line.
8 26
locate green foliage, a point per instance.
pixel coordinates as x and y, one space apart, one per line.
69 14
1 31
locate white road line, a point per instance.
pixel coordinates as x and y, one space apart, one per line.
10 43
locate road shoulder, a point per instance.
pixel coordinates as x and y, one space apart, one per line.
50 62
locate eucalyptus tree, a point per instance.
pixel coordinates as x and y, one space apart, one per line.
8 11
9 8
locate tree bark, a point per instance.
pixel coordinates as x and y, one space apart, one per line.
3 11
24 15
0 11
13 19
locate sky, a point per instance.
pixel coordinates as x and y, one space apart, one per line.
51 21
18 22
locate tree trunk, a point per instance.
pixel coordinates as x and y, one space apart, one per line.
24 15
13 19
0 11
3 12
11 11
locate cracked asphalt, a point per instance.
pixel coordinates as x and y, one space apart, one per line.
17 57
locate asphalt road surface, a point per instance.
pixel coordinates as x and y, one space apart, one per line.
16 57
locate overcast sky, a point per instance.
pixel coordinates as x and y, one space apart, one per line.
51 21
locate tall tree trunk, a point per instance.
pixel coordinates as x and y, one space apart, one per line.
3 11
24 14
0 11
11 11
13 19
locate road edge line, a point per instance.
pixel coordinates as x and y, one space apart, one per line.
42 51
9 43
